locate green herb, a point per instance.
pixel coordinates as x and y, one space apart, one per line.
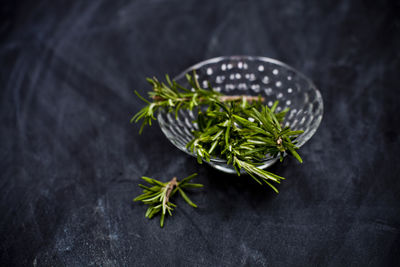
239 129
174 97
158 194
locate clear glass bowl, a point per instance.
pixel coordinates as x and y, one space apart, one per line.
247 75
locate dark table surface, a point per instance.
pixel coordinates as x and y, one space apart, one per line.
71 161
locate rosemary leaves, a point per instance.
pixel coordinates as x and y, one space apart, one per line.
240 129
157 195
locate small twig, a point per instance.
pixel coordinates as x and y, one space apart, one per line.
220 98
248 98
170 186
279 141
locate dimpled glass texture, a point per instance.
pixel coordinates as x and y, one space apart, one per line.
246 75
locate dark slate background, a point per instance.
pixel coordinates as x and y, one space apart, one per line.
70 160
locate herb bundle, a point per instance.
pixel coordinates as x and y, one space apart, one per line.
158 194
239 129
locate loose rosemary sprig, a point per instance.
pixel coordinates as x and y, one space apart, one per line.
239 129
158 194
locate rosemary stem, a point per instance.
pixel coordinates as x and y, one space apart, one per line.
170 186
222 98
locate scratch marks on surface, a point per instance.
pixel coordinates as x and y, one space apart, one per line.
251 256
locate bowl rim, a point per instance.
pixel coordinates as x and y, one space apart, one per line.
255 58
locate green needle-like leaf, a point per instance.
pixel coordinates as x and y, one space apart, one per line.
187 179
162 220
190 185
186 198
296 155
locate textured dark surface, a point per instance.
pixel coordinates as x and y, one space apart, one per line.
70 161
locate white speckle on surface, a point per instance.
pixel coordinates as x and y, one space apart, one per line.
252 255
99 208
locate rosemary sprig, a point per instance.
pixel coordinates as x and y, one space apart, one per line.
158 194
239 129
172 97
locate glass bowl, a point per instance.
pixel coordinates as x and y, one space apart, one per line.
248 75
